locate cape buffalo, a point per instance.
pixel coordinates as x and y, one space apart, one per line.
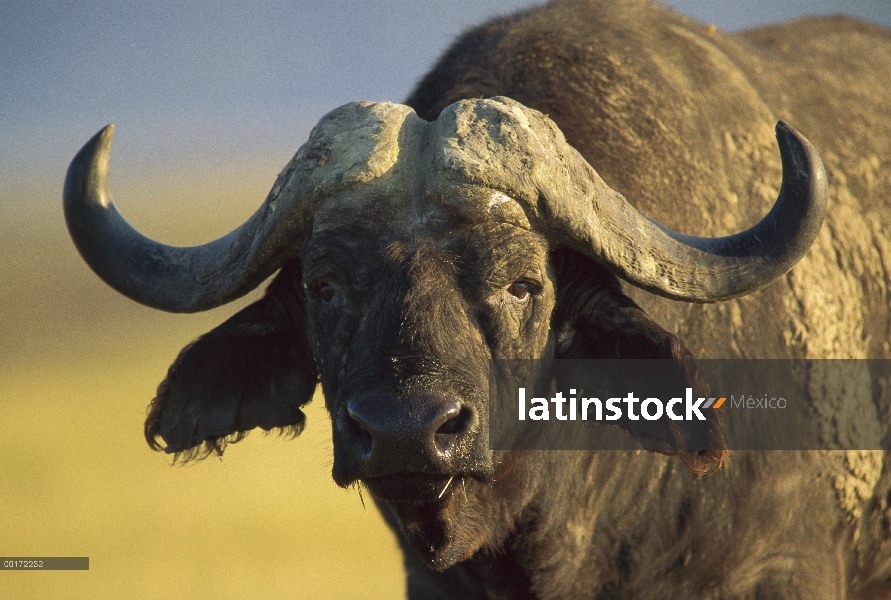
415 243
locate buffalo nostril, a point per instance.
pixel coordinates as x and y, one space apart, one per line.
448 433
456 424
359 433
411 429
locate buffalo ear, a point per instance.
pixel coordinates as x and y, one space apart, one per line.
595 320
254 370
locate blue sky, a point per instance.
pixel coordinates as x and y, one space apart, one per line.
220 80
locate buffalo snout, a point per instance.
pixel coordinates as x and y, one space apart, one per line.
389 433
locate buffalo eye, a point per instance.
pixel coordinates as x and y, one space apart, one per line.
326 291
322 289
519 290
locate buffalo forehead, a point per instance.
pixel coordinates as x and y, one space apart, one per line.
477 244
424 211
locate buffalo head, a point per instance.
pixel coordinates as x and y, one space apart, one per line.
410 254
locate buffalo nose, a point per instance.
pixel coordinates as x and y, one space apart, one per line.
429 426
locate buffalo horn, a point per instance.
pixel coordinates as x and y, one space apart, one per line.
700 269
170 278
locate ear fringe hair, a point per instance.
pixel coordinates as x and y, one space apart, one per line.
217 446
210 446
201 449
702 461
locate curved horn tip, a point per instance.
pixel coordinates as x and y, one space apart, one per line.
784 128
104 137
788 139
786 132
802 162
87 174
99 143
107 130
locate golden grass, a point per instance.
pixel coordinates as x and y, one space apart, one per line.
78 365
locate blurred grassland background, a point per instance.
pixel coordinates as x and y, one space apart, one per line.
210 100
78 365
